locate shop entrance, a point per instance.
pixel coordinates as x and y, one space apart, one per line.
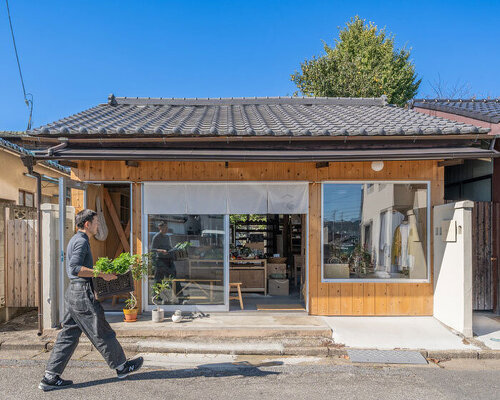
267 262
113 203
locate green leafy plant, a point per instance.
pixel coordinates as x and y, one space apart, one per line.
159 288
138 265
103 265
131 302
141 265
123 263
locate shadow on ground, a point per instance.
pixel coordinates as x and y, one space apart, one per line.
25 322
216 370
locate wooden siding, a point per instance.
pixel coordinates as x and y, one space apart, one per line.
324 298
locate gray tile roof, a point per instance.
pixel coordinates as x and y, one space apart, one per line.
487 110
277 116
21 150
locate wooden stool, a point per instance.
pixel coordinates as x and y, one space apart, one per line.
237 286
117 297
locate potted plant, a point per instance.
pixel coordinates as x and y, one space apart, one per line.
158 288
130 310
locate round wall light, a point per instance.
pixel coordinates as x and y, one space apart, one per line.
377 165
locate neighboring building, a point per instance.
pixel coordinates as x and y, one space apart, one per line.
469 179
17 188
311 157
15 185
476 180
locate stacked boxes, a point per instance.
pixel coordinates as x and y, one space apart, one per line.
278 284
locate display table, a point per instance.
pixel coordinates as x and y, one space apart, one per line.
251 273
205 269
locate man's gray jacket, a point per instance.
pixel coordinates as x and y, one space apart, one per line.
78 255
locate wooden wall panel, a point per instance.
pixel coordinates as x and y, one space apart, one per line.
137 234
324 298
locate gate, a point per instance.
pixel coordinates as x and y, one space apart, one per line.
482 265
20 255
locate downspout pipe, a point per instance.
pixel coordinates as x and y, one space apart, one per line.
29 163
51 150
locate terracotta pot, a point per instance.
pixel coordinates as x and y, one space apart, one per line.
130 315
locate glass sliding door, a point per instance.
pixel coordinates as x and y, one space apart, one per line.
189 251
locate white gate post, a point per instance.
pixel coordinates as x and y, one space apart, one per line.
453 265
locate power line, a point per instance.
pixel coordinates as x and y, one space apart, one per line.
28 97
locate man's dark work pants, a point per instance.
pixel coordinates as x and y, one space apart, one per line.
84 314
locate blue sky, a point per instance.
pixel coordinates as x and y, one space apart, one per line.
74 53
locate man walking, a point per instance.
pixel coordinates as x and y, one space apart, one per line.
83 312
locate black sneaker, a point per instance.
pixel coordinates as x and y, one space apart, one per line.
54 383
129 367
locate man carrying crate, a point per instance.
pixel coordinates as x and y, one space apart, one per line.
83 312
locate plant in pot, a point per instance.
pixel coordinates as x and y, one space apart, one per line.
130 310
158 289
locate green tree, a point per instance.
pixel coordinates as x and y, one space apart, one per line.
363 63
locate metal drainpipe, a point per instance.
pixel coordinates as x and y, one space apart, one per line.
29 162
39 261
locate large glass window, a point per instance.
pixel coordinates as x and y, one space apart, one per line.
188 250
375 231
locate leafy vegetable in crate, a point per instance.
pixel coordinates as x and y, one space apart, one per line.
137 264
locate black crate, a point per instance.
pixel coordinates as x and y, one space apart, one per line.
124 283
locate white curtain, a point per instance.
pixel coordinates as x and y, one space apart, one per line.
164 198
247 198
287 198
206 199
226 198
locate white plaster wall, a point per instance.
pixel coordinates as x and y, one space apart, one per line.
453 265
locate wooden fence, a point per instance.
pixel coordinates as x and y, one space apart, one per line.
482 246
21 273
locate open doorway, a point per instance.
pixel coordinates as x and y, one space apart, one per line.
112 201
267 262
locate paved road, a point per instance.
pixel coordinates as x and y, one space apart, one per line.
203 377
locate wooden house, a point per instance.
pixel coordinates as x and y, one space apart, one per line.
358 176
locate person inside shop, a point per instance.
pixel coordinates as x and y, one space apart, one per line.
161 246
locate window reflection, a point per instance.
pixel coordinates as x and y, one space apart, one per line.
375 231
188 250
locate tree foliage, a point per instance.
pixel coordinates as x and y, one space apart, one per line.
363 63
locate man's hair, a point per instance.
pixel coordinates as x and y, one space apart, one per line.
163 223
84 216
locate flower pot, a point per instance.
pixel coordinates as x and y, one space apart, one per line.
130 315
158 315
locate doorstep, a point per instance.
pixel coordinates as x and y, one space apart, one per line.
220 326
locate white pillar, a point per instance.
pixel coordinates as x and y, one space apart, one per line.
51 273
453 265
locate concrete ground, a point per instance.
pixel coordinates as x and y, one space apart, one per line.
224 325
486 327
222 376
395 333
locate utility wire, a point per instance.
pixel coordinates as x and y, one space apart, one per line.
28 97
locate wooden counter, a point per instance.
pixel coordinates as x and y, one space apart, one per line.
251 273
